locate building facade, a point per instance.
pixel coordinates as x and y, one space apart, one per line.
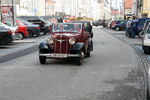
105 9
49 7
77 8
128 9
146 8
30 8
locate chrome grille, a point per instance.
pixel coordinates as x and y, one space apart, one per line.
61 44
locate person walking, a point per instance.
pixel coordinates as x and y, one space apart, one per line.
128 28
134 27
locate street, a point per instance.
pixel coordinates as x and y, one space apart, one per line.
111 73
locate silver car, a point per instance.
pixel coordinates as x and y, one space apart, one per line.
146 40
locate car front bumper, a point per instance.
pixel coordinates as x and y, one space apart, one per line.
57 55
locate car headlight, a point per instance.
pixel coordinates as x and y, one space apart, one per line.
72 41
50 40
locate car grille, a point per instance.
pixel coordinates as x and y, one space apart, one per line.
61 44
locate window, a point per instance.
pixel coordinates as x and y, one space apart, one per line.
148 30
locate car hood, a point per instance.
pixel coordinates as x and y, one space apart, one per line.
13 29
66 34
2 29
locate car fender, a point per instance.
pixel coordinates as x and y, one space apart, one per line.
43 45
78 47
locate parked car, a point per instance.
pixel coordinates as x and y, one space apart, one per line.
5 36
35 20
68 40
146 48
22 30
146 40
144 28
48 23
97 23
32 29
109 24
15 35
105 23
48 26
112 24
119 25
140 24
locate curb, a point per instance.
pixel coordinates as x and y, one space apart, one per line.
19 53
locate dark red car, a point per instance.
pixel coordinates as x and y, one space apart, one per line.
22 30
68 40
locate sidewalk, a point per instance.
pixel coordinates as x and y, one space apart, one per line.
20 48
121 35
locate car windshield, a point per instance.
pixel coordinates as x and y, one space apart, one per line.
67 27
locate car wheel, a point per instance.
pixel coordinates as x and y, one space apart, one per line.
37 34
42 59
20 35
148 95
145 50
80 59
117 29
30 34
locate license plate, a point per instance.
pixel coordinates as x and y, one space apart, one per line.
59 55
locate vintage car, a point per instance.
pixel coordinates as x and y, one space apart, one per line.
68 40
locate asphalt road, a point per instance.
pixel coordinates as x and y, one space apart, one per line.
109 74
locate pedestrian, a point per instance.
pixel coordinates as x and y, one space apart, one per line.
128 28
134 27
103 23
90 29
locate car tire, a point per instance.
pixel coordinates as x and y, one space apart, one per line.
37 35
30 34
20 35
148 95
145 50
117 28
42 59
80 59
